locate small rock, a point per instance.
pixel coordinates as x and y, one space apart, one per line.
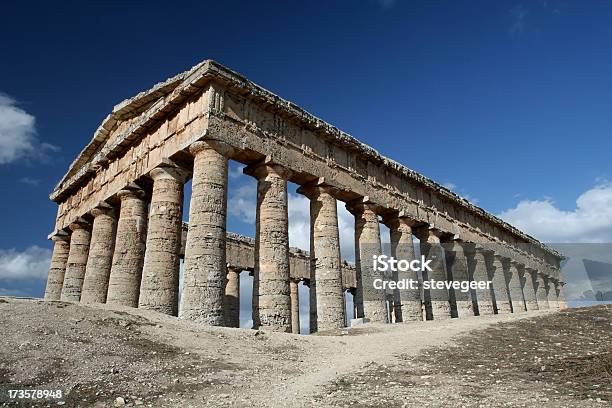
119 402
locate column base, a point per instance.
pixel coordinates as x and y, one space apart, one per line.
486 309
441 309
503 308
375 311
464 308
412 311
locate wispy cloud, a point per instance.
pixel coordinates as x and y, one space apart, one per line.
30 181
18 139
386 4
518 15
459 191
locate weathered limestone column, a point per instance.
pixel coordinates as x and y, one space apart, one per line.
456 262
407 302
160 274
128 257
295 307
482 299
57 270
100 260
528 289
77 261
326 300
541 291
205 265
502 298
514 287
551 293
231 301
370 302
271 292
561 295
437 304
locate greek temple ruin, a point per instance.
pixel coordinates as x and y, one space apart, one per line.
119 234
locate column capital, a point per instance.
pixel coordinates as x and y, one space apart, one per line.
80 224
530 270
429 234
362 204
220 147
316 188
234 269
169 171
500 257
59 235
103 208
401 217
131 192
267 168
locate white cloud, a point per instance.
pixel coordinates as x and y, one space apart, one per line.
590 221
299 221
33 263
30 181
235 171
18 134
242 202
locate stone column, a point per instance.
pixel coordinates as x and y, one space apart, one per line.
128 257
77 261
231 301
271 292
100 260
482 299
370 302
57 270
551 293
407 301
326 301
295 307
205 258
528 289
160 274
457 265
437 304
541 291
502 298
514 287
561 295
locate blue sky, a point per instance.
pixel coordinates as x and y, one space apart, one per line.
507 102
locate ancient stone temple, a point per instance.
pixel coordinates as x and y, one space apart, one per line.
119 235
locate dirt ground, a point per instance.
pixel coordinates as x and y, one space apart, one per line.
105 357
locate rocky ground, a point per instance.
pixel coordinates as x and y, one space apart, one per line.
105 357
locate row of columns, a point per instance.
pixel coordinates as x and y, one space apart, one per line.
130 257
515 287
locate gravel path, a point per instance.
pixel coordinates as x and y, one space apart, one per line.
108 356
